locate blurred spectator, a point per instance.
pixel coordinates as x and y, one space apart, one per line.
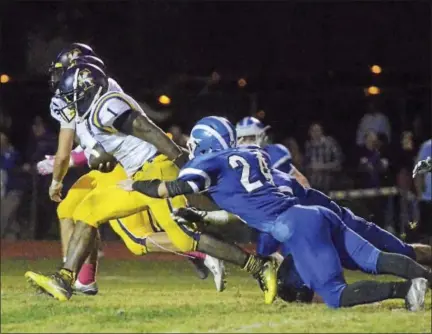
373 163
42 141
403 209
296 155
178 136
373 120
404 156
5 122
12 191
423 184
323 157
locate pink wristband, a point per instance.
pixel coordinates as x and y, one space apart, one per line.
78 158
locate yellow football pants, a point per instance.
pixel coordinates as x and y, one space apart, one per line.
141 223
112 203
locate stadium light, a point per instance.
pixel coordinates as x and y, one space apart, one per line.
163 99
376 69
242 82
4 78
373 90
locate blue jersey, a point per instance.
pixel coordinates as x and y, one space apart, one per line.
239 180
306 196
280 157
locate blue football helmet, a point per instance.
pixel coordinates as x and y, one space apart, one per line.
251 131
64 59
211 134
81 86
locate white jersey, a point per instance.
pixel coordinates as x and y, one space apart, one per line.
65 116
67 120
130 151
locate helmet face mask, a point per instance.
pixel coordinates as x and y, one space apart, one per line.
250 131
259 140
80 87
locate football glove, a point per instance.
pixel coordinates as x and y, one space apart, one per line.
188 215
423 166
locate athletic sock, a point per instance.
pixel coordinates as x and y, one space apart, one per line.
87 274
402 266
366 292
196 255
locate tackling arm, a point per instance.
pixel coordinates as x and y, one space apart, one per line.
162 189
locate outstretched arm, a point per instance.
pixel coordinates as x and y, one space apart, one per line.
192 215
162 189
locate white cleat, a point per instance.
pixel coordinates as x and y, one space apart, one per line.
217 268
415 298
87 289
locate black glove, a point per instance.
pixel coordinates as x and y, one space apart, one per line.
188 215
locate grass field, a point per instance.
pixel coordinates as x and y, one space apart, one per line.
147 296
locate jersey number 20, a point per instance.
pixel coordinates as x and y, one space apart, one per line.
238 161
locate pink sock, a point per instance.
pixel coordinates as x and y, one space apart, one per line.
87 274
197 255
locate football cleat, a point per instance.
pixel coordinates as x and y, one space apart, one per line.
86 289
267 279
415 298
55 285
217 268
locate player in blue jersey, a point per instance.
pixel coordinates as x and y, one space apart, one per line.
251 131
290 284
240 181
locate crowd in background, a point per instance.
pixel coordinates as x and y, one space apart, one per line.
312 102
376 160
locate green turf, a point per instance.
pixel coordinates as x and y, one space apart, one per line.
138 296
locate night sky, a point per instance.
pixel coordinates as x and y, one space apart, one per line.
302 58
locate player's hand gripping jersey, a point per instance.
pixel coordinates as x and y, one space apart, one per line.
239 181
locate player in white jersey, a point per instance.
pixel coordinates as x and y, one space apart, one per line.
86 281
117 122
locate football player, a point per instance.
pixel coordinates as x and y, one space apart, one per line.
291 287
76 54
117 123
240 181
251 131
